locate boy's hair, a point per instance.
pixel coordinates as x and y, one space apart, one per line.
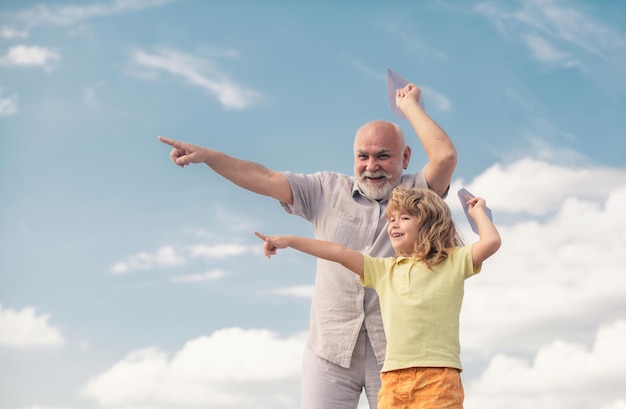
437 235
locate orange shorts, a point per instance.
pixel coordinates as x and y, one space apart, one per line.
421 388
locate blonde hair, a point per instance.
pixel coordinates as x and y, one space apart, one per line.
437 234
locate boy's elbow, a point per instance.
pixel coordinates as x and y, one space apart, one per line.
495 244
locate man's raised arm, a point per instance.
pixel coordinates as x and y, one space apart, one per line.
439 148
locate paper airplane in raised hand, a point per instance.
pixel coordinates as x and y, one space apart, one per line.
464 196
394 83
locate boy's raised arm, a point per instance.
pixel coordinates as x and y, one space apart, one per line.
489 239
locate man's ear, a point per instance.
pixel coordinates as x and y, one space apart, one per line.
406 157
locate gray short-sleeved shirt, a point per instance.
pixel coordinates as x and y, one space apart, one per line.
339 212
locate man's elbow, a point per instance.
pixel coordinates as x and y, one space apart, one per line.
448 158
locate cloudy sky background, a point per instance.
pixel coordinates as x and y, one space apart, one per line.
127 282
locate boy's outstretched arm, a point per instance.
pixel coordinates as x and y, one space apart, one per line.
489 239
328 250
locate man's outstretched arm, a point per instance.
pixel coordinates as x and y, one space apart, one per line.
248 175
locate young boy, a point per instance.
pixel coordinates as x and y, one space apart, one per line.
420 291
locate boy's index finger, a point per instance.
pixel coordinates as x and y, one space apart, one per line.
167 141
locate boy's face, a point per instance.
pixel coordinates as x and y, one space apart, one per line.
402 230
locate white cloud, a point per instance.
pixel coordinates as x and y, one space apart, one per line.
536 187
232 368
620 404
561 375
196 278
164 257
301 291
26 329
198 72
219 250
8 105
29 56
561 266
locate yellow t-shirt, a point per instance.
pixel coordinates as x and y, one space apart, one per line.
420 307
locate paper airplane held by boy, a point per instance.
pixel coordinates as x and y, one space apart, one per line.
464 196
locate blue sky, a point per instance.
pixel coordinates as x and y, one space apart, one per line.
127 282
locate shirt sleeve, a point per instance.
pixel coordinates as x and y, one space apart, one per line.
373 269
307 190
462 259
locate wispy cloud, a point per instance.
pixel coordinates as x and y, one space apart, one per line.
10 33
65 15
554 30
435 99
26 329
8 105
545 51
198 72
170 256
164 257
411 42
370 72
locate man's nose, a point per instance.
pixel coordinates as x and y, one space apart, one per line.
372 165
